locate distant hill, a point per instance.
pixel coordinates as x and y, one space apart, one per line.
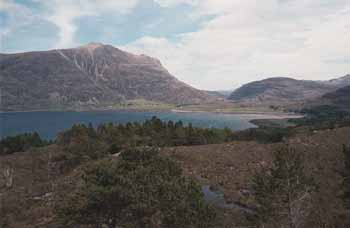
342 81
339 98
90 76
282 90
219 93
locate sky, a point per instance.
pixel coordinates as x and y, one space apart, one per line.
209 44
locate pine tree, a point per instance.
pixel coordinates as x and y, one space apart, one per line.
283 191
345 186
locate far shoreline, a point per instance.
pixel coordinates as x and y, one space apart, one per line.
258 115
269 115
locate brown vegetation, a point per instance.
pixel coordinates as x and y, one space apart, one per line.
32 183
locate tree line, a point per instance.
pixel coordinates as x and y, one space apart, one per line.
89 142
153 132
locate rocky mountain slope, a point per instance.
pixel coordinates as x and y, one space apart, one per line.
90 76
277 91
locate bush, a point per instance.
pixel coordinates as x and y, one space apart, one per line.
20 143
263 134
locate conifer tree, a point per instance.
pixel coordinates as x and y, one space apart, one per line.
283 191
345 186
346 178
140 189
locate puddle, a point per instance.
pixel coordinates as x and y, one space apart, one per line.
216 197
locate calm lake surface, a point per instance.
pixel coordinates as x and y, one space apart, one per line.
48 124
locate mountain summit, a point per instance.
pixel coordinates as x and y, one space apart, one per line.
93 75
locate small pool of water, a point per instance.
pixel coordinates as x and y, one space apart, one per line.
216 197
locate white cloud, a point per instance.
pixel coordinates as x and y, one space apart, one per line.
9 7
252 39
6 5
17 16
171 3
62 13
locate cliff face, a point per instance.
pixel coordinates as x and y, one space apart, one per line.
94 75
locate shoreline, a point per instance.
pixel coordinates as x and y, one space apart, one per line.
257 114
88 110
268 115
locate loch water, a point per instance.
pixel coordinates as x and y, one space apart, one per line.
49 123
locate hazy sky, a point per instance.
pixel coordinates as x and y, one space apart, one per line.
210 44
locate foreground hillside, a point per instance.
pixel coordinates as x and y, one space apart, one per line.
35 182
90 76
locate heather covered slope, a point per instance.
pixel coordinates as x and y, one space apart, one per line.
231 166
39 178
90 76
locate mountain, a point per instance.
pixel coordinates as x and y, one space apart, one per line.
90 76
221 94
339 98
345 80
282 90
